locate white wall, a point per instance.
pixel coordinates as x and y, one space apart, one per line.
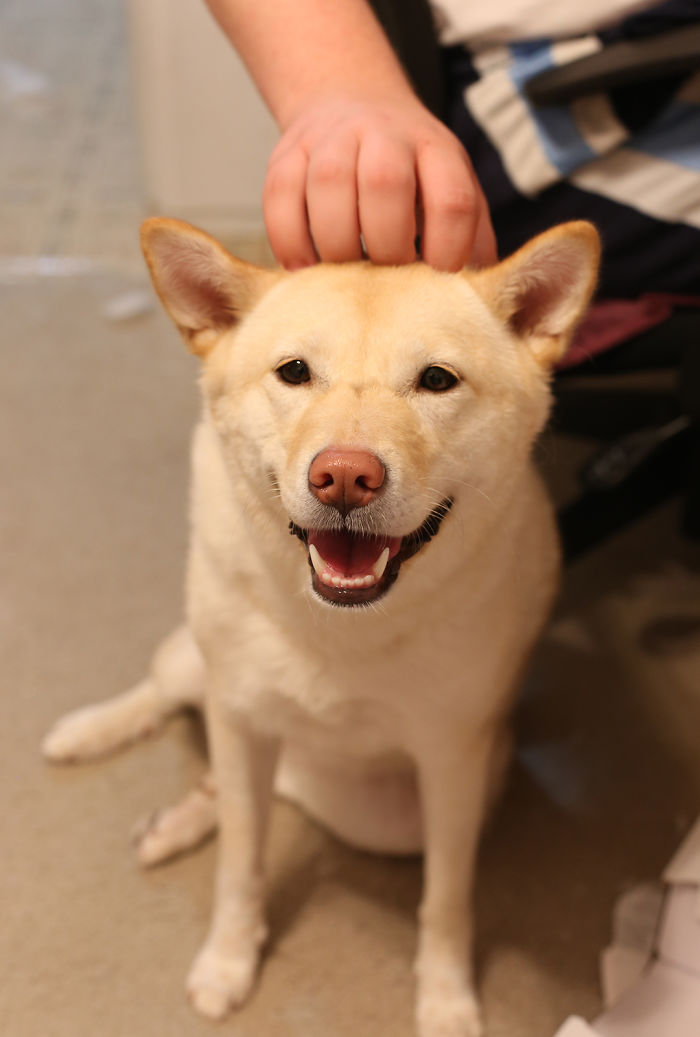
205 134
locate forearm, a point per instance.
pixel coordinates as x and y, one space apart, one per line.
361 165
300 50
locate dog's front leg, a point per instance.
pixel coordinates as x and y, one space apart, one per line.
454 775
244 762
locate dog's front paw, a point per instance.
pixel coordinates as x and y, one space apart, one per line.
81 735
442 1012
99 729
217 983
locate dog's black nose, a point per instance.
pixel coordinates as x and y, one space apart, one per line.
346 477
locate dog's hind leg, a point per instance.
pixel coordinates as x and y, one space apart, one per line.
379 812
176 680
175 830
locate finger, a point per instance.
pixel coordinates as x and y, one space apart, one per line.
485 247
331 199
452 204
284 208
386 183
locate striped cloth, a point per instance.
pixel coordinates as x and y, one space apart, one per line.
629 160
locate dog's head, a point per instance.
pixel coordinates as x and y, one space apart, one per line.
365 403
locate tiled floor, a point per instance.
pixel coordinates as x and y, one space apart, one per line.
69 181
71 195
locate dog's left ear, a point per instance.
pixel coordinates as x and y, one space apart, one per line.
204 289
542 291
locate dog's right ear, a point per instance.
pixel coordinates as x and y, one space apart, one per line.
205 290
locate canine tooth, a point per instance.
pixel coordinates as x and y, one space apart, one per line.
368 580
316 560
380 565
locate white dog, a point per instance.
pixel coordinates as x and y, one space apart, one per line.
365 665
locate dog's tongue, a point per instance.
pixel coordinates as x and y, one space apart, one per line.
348 554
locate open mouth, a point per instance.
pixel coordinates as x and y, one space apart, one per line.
354 569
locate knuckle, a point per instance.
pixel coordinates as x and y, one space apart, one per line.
454 205
330 170
389 178
283 175
277 182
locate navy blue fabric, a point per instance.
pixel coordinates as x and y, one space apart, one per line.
673 14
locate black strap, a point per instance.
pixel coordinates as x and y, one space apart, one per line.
409 27
619 64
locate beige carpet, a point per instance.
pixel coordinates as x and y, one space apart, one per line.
94 422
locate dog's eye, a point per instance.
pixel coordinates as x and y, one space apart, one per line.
294 372
437 379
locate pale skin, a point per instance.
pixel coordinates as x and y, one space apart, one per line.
361 161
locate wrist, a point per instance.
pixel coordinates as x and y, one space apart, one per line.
297 51
342 97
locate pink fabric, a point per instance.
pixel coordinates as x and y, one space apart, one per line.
612 321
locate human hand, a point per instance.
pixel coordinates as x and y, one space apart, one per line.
349 171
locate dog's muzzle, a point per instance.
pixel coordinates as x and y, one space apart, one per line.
349 567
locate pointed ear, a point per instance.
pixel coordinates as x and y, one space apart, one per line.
542 291
205 290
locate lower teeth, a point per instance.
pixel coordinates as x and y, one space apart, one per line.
347 582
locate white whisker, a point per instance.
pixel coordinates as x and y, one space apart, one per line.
477 489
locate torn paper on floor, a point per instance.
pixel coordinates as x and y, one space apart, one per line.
651 971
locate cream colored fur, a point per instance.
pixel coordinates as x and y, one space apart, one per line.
387 721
